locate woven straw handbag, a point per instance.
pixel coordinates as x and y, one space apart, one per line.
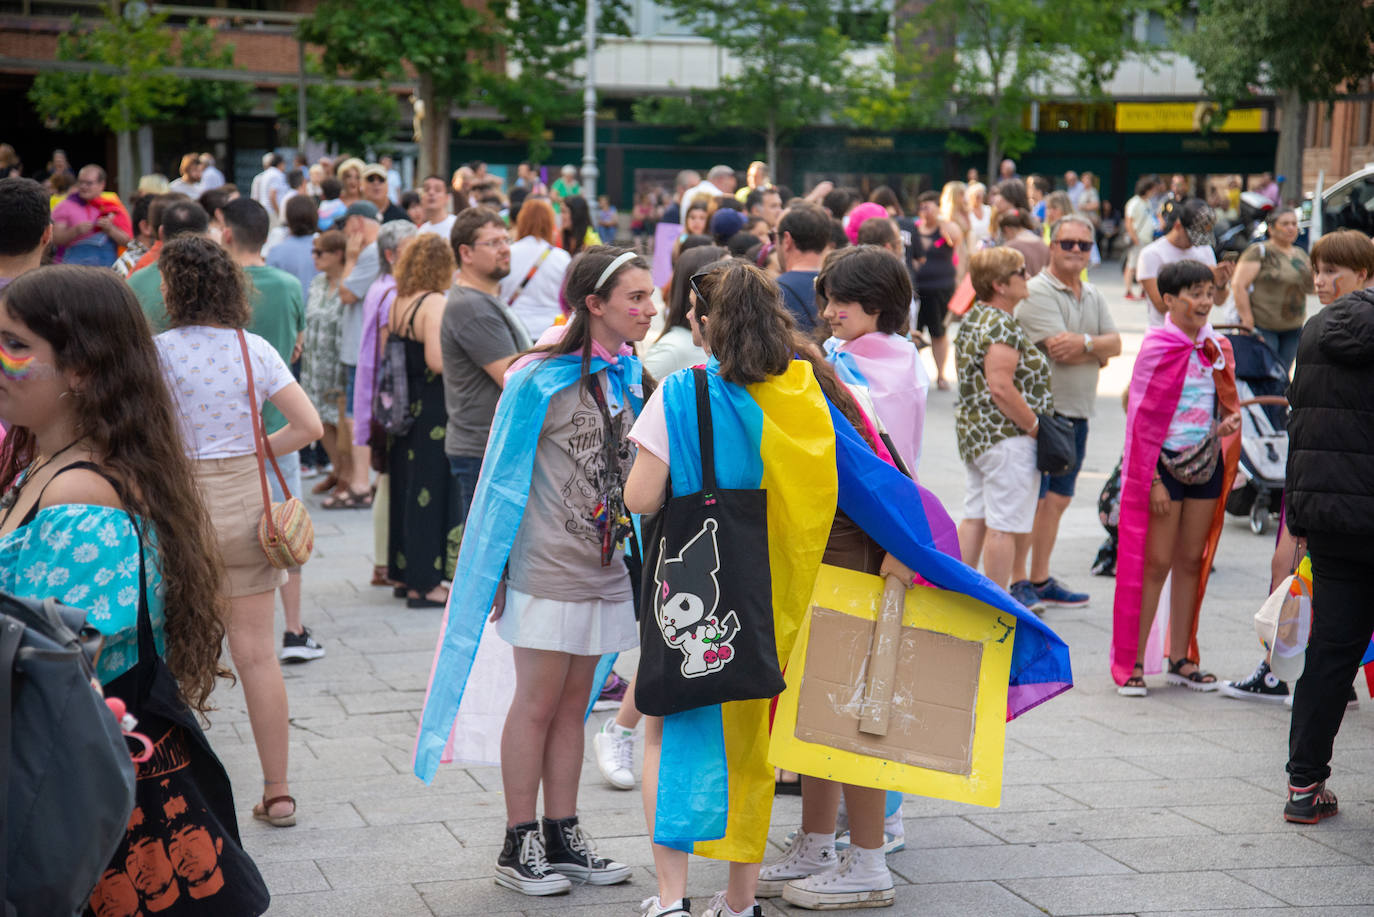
285 531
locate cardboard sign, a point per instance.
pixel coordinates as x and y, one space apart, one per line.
947 716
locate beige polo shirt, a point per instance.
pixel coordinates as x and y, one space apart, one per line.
1049 308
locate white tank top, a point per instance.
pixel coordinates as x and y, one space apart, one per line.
979 228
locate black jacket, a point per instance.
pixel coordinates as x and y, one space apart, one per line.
1330 480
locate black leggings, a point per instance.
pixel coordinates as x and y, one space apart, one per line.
1342 620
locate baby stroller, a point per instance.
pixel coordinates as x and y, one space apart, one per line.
1261 384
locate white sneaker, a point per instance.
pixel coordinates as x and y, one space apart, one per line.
861 879
652 907
718 908
894 835
615 754
807 854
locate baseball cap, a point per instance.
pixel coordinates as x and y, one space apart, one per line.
373 168
361 209
726 222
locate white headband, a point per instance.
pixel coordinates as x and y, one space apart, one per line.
612 268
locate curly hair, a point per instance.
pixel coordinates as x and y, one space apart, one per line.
203 284
426 264
96 328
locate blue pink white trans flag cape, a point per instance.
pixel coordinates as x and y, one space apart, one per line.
497 508
889 367
714 793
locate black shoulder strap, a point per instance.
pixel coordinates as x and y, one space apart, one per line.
704 432
11 632
85 466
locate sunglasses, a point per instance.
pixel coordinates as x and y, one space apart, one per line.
376 178
1019 272
695 278
1069 245
322 251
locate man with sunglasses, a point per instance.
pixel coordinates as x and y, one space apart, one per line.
1067 317
375 186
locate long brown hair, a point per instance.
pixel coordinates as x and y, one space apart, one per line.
580 282
750 332
95 327
690 262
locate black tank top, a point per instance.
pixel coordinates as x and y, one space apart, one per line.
938 271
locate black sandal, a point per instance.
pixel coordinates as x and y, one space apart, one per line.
1196 680
1135 685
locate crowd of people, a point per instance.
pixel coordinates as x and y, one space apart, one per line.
503 392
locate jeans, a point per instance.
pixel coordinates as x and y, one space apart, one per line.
290 466
1283 343
466 469
1342 620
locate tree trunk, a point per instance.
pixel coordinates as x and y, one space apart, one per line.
994 154
1292 135
771 147
127 180
434 143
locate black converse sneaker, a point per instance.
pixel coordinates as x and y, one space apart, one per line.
570 853
523 866
1262 685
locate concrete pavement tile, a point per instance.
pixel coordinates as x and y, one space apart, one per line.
421 843
1060 770
292 877
1258 764
480 820
370 870
1122 745
1132 893
1266 818
382 702
1084 825
1018 798
1343 885
960 899
412 810
392 900
1223 714
947 831
468 897
1002 861
314 814
344 726
1163 792
1356 844
1357 910
1036 724
1173 854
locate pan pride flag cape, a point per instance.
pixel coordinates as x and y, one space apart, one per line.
497 508
715 791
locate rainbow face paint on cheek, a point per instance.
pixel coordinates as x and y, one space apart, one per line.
14 367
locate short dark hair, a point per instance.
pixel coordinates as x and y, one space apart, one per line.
330 189
139 211
838 201
24 215
1178 276
295 178
409 199
1145 183
871 276
838 237
740 243
183 218
878 231
216 198
755 198
301 215
808 225
160 203
466 225
249 221
928 197
884 196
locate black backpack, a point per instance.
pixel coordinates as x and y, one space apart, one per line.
64 765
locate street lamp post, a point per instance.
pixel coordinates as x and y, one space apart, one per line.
590 173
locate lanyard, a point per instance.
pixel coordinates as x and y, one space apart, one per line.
610 517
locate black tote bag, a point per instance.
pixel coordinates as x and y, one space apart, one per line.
706 627
182 853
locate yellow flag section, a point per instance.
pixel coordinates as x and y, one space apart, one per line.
797 446
947 722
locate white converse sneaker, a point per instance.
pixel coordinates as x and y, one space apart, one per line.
718 908
652 907
807 854
860 880
615 754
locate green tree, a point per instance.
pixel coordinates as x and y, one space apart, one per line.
206 99
992 58
355 118
446 43
1302 50
790 68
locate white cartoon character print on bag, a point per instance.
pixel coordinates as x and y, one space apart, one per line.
685 605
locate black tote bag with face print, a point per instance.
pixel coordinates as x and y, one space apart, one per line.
706 624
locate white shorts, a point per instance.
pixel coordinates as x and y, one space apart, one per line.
579 628
1002 486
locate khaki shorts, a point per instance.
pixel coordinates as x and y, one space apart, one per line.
232 493
1003 485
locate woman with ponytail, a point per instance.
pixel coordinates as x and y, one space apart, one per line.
542 554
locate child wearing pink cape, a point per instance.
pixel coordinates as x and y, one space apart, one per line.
1183 389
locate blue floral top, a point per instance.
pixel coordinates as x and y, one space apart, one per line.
87 557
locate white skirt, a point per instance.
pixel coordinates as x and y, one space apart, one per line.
579 628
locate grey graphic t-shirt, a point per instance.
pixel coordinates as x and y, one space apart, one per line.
557 551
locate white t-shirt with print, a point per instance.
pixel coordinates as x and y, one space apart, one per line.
203 367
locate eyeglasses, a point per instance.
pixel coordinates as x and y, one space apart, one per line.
1068 245
494 243
322 251
376 178
693 281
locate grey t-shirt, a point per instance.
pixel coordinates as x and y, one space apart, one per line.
477 330
351 331
1050 308
557 551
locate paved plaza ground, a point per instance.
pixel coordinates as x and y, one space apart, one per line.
1165 805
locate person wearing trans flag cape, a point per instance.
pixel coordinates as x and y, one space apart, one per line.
781 425
542 555
1183 387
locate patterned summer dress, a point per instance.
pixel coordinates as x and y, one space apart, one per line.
322 372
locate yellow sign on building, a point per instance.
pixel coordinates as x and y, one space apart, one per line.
1183 118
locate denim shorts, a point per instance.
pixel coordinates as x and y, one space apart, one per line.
1063 484
349 386
1207 490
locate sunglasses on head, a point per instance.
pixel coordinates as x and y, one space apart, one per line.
695 278
1069 245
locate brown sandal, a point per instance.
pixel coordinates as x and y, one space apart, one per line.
262 812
